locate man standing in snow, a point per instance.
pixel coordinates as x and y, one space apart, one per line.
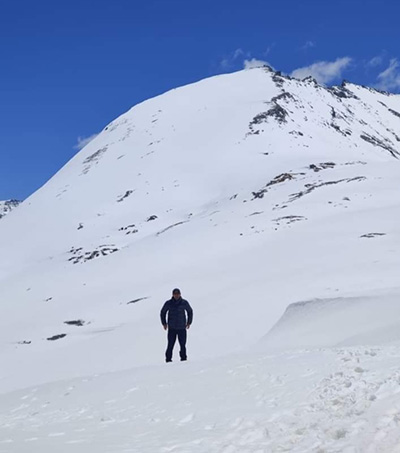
177 323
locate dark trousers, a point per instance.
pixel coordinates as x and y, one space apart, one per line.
172 335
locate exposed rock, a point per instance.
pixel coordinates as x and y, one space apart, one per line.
126 195
342 91
385 144
7 206
130 229
171 226
277 180
134 301
77 322
276 112
80 256
322 166
311 187
394 112
290 219
57 337
372 235
93 159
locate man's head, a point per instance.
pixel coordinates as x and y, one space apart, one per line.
176 293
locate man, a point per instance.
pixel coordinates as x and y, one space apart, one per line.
177 323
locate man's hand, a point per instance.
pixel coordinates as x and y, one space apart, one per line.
165 326
187 326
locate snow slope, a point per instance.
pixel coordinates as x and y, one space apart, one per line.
338 322
251 191
344 400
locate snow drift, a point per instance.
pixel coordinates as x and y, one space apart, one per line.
343 321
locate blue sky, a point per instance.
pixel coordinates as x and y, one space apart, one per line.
67 68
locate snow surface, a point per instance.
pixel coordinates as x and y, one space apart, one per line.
274 204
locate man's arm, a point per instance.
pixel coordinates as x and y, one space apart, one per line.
163 315
189 312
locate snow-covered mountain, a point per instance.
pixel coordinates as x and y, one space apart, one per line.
251 191
7 206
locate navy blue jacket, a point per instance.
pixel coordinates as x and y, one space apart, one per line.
176 310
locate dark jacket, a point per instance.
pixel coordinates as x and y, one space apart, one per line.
176 310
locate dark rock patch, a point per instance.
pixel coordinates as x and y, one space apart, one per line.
80 256
322 166
289 219
277 180
276 111
394 112
93 159
296 133
134 301
77 322
126 195
57 337
311 187
372 235
381 143
171 226
337 128
8 206
342 91
130 229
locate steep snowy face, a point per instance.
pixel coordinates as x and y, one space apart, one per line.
250 191
7 206
223 137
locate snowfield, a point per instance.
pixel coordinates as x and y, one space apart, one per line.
274 204
322 400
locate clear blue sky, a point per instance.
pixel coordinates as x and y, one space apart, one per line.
67 68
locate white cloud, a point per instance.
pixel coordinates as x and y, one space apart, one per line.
268 50
308 45
244 58
237 53
376 61
389 79
231 59
323 71
83 141
254 63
